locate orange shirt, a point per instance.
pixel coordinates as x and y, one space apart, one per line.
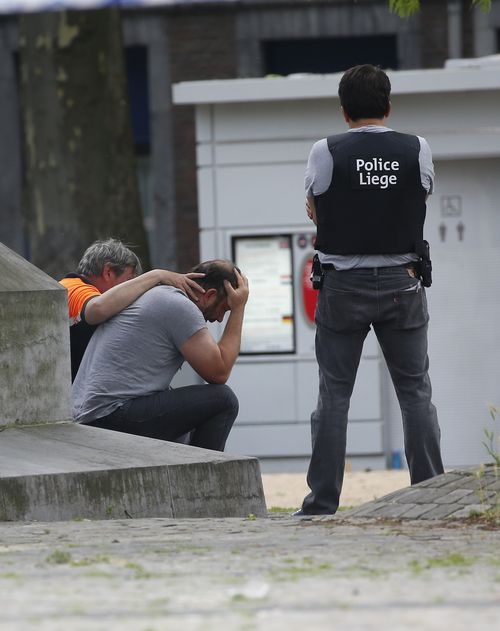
79 292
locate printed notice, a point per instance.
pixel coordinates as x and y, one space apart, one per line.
268 326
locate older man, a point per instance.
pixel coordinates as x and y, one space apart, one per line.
107 280
124 380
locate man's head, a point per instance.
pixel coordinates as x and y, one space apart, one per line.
364 93
107 263
213 303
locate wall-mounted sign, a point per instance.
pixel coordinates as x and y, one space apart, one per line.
451 205
269 324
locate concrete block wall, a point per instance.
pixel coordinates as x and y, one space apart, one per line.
35 376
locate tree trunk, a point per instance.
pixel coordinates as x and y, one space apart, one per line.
81 182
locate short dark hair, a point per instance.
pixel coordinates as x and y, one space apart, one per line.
364 92
216 272
111 251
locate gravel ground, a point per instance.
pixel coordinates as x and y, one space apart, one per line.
276 574
245 574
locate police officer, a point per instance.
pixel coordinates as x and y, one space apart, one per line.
366 191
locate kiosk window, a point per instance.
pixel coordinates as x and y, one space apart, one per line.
269 325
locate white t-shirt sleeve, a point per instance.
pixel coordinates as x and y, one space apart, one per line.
319 169
426 165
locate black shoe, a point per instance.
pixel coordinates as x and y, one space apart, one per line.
300 513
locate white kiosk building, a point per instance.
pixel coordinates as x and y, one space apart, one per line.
253 138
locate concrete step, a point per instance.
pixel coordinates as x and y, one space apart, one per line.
66 471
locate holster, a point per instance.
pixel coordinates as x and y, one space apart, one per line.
424 264
316 273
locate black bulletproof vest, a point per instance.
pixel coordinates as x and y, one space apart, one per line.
375 203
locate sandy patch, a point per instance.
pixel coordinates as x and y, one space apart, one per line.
287 490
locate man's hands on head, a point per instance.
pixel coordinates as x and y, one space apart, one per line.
212 360
237 298
184 282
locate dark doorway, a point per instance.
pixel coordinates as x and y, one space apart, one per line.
136 65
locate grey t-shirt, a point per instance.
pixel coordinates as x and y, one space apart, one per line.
136 353
319 174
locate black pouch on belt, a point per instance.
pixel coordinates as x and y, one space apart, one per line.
316 273
424 262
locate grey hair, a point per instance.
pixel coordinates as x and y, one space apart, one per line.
111 251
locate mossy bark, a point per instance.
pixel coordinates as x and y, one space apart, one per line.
80 176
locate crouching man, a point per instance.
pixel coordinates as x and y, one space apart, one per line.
123 383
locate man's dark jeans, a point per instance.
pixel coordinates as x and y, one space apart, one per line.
394 303
207 411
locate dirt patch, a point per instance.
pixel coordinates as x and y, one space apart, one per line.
288 489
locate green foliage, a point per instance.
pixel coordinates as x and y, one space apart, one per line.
453 559
490 435
484 5
59 557
406 8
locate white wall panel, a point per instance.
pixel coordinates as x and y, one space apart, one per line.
203 122
265 390
258 121
464 304
259 152
270 440
206 199
208 245
294 440
265 195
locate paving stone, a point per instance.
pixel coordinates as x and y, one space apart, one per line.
494 486
454 496
427 483
365 510
439 480
440 512
390 496
470 483
461 483
392 510
418 510
472 498
467 510
405 497
424 501
492 496
492 471
427 496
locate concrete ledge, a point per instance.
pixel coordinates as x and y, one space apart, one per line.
35 370
67 471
